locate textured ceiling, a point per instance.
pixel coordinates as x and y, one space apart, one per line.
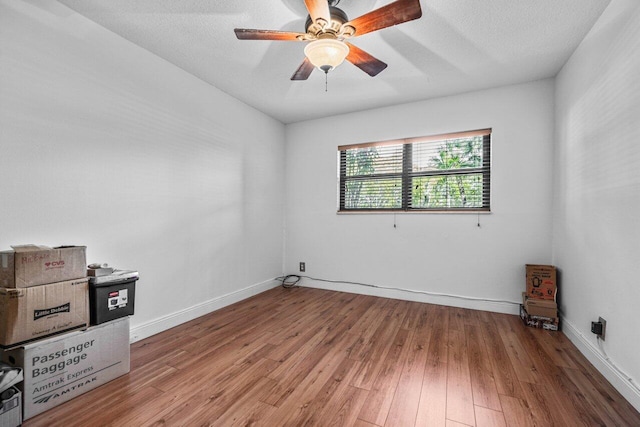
457 46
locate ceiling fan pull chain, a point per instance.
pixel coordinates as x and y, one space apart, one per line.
326 85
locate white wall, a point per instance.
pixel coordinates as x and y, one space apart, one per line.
106 145
438 253
597 192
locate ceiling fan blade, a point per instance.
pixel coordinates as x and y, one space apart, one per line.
248 34
318 9
392 14
304 70
364 61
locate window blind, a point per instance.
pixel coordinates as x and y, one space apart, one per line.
450 172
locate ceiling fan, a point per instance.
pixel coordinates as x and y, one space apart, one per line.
328 27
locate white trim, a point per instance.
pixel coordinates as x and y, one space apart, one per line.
600 362
409 295
169 321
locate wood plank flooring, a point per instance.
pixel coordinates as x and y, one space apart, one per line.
301 356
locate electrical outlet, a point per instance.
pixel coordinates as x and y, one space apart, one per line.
599 327
604 327
303 267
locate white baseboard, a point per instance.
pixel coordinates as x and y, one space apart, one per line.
169 321
409 295
600 362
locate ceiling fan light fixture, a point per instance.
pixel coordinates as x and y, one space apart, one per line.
326 54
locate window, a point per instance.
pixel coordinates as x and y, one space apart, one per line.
435 173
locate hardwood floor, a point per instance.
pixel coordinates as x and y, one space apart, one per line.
301 356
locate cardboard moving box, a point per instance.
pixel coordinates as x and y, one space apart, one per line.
65 366
540 307
30 313
541 281
32 265
540 322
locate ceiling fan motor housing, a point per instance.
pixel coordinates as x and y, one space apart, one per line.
334 29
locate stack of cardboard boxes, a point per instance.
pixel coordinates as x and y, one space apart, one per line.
539 308
44 327
43 292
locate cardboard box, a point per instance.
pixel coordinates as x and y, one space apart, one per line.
541 281
31 313
65 366
539 307
32 265
540 322
11 408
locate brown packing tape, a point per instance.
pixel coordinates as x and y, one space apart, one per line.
7 269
